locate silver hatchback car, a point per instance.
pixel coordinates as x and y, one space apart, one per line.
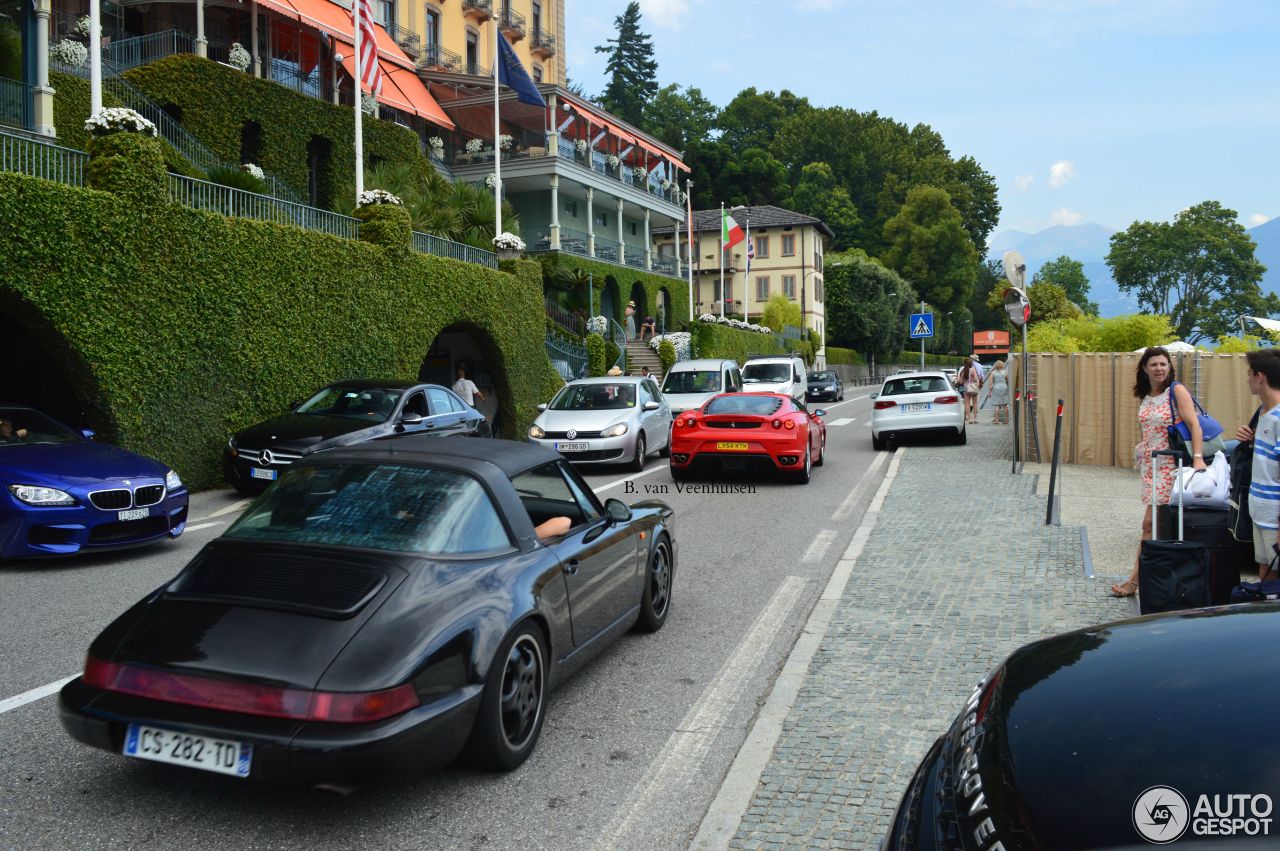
607 420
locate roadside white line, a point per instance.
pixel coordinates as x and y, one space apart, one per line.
10 703
843 421
819 547
631 478
846 505
199 526
725 814
235 506
678 765
845 402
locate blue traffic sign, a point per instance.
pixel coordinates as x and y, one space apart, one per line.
921 325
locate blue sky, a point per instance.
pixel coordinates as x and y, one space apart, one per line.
1088 111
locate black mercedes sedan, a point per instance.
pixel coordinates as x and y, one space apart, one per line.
383 607
342 414
1142 731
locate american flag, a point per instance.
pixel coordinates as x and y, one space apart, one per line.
370 69
751 248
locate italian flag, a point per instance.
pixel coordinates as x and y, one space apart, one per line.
730 231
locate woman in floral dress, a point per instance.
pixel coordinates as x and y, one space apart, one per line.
1155 374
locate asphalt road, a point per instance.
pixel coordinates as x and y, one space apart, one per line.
633 750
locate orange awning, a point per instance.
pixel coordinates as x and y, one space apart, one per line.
336 21
401 89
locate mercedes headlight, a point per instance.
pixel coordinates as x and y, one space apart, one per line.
36 495
536 432
615 430
171 480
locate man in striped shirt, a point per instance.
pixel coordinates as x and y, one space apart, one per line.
1264 487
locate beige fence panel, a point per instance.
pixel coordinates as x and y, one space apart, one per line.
1223 390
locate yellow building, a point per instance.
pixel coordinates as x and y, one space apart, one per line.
456 36
788 259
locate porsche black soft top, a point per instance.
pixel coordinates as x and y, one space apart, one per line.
508 456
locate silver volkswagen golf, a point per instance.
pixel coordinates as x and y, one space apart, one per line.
607 420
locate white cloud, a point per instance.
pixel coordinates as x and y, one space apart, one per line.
1064 216
1258 219
1023 182
1061 173
664 13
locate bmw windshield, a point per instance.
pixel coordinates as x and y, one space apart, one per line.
373 403
24 427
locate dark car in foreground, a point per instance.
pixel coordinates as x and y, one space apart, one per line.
1145 730
65 493
343 414
382 607
824 385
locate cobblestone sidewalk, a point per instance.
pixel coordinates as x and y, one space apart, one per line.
958 572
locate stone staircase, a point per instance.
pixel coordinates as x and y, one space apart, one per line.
642 355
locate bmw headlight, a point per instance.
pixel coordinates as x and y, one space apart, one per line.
171 480
536 432
36 495
615 430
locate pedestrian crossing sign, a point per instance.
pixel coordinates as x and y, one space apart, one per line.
921 325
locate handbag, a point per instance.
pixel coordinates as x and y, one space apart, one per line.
1180 433
1208 488
1257 592
1238 518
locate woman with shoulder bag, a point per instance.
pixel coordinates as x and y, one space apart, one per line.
1155 377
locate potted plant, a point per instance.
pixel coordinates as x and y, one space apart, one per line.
238 57
118 120
508 246
436 146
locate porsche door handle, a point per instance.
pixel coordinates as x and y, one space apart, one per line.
571 566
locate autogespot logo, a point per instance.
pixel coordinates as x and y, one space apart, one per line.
1160 815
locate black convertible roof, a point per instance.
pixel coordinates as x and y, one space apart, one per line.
509 456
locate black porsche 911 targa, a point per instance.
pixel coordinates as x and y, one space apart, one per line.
381 607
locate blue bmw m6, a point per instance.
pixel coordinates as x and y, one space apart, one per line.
61 493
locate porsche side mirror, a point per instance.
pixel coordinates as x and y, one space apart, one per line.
88 433
411 419
820 413
617 511
651 406
542 407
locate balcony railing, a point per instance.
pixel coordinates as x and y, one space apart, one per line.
287 74
512 23
543 42
481 10
634 256
569 360
475 69
25 155
409 40
15 103
437 57
215 198
665 266
126 53
425 243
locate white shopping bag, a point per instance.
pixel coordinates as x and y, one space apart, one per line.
1209 488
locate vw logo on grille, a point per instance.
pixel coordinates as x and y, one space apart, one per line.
266 457
571 433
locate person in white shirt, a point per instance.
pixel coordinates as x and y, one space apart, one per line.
466 388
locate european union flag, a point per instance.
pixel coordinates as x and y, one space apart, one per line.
512 74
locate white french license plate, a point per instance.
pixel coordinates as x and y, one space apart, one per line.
581 446
259 473
916 406
134 514
223 756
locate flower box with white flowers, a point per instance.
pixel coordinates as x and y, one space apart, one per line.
118 120
373 197
508 246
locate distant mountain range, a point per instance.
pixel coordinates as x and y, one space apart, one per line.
1089 244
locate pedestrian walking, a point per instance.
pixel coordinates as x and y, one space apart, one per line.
466 388
999 393
1155 375
631 320
971 381
1264 486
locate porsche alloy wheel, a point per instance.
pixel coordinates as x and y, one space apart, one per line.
511 708
656 600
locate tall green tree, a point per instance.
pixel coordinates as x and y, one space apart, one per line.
631 69
752 119
1069 275
819 194
866 304
751 177
990 279
1200 269
680 117
778 311
929 246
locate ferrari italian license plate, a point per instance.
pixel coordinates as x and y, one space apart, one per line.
581 446
134 514
916 406
259 473
223 756
735 446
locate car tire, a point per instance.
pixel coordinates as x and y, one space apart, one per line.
961 438
665 452
637 463
822 453
513 703
878 443
655 600
802 476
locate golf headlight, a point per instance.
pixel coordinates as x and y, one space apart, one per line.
35 495
536 432
615 430
171 480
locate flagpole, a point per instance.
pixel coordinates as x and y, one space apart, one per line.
746 282
497 151
688 187
355 15
722 260
95 58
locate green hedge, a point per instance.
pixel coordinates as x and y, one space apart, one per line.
171 351
845 357
666 355
713 340
625 277
596 354
936 360
216 101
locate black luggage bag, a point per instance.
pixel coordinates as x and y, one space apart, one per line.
1172 574
1228 557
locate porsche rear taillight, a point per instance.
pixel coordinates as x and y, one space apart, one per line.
882 404
946 400
249 698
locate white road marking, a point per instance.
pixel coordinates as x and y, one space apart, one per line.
235 506
846 401
842 421
725 813
631 478
819 546
846 505
678 766
199 526
10 703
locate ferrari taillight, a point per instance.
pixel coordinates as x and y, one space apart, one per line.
882 404
789 424
946 400
249 698
689 422
777 423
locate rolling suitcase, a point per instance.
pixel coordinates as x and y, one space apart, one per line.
1228 558
1172 574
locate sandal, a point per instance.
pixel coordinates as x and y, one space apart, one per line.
1125 589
